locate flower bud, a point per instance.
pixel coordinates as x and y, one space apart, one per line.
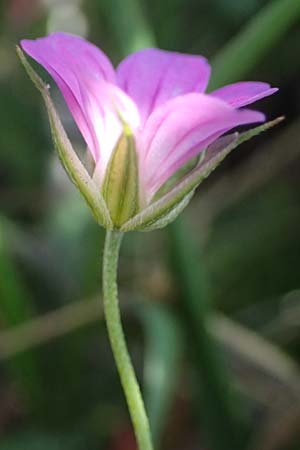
120 187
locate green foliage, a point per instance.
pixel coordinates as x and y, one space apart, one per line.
249 46
262 229
163 353
38 441
16 308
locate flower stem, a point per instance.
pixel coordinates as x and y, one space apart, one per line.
117 339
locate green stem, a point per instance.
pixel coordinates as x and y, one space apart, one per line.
117 339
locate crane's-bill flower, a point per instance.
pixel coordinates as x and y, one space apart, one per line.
142 122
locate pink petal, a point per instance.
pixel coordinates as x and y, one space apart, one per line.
151 77
243 93
181 129
81 72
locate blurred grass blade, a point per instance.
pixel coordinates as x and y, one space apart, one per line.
16 307
162 355
222 423
247 48
38 440
130 25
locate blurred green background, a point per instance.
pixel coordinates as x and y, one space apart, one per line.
233 260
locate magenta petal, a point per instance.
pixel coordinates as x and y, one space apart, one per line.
151 77
243 93
80 69
181 129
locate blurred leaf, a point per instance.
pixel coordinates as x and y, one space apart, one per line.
163 350
270 380
130 25
16 303
17 307
67 224
22 132
223 423
42 441
249 352
249 46
254 248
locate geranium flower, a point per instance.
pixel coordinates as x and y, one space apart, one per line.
142 122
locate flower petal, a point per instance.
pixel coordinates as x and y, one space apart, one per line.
181 129
81 71
108 108
151 77
72 164
243 93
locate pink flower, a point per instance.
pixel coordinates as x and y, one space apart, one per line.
157 97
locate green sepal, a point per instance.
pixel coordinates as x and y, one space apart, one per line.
170 216
70 161
166 206
120 186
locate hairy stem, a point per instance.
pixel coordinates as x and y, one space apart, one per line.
117 339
